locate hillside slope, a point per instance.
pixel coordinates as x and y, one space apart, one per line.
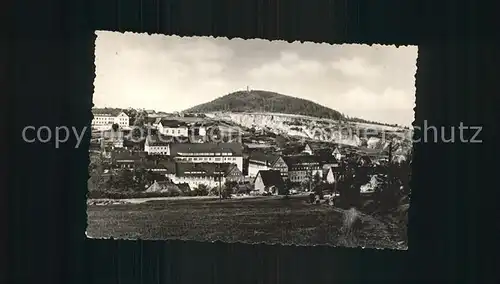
265 101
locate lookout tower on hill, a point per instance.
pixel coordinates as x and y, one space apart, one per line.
248 89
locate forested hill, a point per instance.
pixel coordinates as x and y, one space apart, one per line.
265 101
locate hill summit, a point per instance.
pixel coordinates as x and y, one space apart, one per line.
265 101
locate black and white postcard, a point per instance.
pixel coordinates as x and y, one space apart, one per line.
251 141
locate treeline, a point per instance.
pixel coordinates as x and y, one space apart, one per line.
360 120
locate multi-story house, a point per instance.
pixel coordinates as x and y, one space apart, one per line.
207 174
259 161
127 159
157 145
217 153
104 119
303 167
172 127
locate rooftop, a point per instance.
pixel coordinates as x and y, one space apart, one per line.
262 157
160 140
127 155
302 160
172 123
106 112
271 177
208 148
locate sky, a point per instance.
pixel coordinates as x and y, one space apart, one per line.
171 73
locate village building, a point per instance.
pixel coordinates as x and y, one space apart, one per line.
127 159
112 139
152 121
217 153
337 154
302 167
164 187
258 146
208 174
307 149
104 119
259 161
332 174
172 127
160 144
161 167
270 182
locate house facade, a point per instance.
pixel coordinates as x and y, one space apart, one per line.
105 119
337 154
127 159
208 174
258 161
172 127
157 145
269 181
307 149
301 168
216 153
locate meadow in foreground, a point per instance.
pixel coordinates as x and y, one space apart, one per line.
259 220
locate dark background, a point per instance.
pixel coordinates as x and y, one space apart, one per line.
51 71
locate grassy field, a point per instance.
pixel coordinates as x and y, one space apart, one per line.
259 220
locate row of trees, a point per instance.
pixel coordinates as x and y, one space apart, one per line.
225 191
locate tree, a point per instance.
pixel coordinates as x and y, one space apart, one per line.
280 141
115 127
229 188
131 113
140 118
316 178
140 178
202 190
125 180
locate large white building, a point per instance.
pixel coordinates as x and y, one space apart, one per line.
104 119
207 174
217 153
259 161
172 127
303 167
157 145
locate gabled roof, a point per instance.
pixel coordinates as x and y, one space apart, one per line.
127 155
263 157
301 159
159 140
271 177
210 148
203 169
106 112
163 186
165 122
